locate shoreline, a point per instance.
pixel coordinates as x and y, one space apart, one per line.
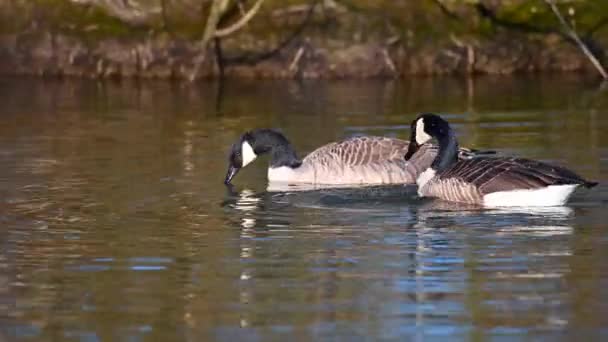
58 55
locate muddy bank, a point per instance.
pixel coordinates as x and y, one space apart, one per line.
334 41
48 54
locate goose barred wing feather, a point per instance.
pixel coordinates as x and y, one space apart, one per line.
451 189
490 175
365 160
359 151
365 150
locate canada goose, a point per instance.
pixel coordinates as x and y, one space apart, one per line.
494 182
358 160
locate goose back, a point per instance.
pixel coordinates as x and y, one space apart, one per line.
362 160
358 151
470 180
358 160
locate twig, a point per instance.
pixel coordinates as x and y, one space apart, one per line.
291 10
255 58
446 10
218 7
570 32
389 61
163 11
219 57
221 33
296 59
489 14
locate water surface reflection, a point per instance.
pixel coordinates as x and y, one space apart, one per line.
116 224
442 264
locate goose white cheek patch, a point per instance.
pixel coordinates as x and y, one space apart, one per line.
248 153
421 136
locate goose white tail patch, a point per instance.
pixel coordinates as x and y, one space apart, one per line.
553 195
425 177
421 136
247 153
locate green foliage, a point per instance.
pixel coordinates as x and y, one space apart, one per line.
86 21
350 20
583 15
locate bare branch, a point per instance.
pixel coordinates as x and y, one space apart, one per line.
255 58
489 14
294 64
570 32
217 9
389 62
446 10
221 33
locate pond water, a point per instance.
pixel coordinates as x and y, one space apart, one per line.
115 224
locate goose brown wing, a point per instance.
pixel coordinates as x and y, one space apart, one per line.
360 151
367 150
503 174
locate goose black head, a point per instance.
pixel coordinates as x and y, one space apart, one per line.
241 154
257 142
424 128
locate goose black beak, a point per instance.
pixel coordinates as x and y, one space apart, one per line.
232 171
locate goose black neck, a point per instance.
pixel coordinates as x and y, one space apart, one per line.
281 151
448 151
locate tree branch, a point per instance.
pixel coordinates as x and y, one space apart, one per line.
446 10
221 33
217 9
487 13
219 57
255 58
570 32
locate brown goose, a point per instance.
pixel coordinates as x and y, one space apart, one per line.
365 160
487 181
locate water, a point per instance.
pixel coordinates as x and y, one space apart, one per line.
115 224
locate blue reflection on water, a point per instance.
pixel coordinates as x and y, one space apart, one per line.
147 268
146 261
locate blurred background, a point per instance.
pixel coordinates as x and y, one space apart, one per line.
192 39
